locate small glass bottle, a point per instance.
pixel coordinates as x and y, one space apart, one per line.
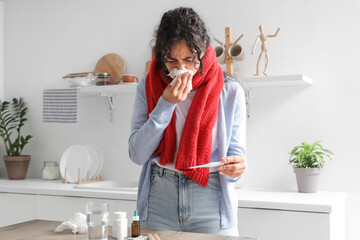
135 225
51 170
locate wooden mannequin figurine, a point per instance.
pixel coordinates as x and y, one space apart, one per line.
264 48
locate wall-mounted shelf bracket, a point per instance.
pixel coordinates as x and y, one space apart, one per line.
109 91
247 92
110 98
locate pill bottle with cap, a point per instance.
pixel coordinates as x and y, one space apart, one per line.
119 228
135 225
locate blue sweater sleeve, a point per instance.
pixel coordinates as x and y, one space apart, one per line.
238 132
146 133
235 110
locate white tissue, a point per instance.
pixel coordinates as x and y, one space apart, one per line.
77 223
175 72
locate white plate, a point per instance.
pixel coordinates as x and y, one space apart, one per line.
75 157
213 164
101 160
95 161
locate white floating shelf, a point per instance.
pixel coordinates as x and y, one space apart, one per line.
276 81
122 88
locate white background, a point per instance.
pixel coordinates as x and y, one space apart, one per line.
45 40
1 48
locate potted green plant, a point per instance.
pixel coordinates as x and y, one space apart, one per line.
12 118
307 160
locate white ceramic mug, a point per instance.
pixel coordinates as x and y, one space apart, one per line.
236 52
220 54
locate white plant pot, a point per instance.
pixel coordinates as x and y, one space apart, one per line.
307 179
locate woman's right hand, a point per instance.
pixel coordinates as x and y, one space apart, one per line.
180 90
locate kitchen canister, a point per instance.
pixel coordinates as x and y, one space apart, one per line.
119 228
102 79
51 170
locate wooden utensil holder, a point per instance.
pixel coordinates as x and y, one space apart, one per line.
87 180
227 45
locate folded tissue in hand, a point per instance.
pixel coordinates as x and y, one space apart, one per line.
77 223
175 72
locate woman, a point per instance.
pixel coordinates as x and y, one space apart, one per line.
174 128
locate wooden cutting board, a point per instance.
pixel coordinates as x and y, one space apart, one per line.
111 63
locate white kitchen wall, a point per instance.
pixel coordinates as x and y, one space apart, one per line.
1 49
45 40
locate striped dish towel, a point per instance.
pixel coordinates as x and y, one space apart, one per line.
61 105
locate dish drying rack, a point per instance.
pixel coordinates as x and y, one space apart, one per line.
87 180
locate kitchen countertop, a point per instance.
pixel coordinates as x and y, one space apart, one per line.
57 188
290 200
44 230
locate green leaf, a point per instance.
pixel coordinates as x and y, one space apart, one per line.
28 137
12 119
309 156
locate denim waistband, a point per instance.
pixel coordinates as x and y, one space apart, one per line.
165 171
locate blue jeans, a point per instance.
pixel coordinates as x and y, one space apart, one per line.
178 203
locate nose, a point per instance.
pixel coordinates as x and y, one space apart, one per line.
180 65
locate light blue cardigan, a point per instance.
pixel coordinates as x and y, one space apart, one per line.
146 134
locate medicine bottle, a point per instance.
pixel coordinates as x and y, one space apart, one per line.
135 225
119 228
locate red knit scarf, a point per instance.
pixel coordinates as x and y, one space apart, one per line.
196 139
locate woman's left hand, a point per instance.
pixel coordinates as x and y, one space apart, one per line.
235 166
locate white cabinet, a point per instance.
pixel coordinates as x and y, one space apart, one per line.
57 207
268 224
263 213
272 215
16 208
61 208
51 200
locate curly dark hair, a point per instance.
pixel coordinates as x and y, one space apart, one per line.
180 24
